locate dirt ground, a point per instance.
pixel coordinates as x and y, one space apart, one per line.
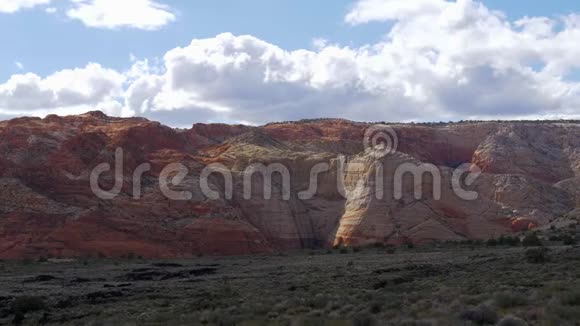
432 285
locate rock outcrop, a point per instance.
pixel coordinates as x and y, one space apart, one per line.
530 174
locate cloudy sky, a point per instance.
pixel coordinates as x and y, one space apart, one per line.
257 61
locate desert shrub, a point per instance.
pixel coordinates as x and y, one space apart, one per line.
316 301
467 242
357 249
480 315
376 307
571 298
537 255
390 251
308 321
363 319
25 304
561 314
555 238
568 240
511 241
491 243
471 243
42 259
215 318
532 240
343 250
26 261
510 299
512 321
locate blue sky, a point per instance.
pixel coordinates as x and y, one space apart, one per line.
47 43
430 68
64 43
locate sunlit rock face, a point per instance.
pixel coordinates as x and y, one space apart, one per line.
530 174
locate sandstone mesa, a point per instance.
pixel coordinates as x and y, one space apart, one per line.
531 175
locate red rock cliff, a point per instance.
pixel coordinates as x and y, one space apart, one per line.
530 174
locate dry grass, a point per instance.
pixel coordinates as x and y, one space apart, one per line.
424 285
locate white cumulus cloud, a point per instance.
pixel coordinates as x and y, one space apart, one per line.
71 91
439 60
12 6
365 11
110 14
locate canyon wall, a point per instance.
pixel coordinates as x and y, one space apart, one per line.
529 176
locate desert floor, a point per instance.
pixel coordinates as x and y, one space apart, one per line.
424 285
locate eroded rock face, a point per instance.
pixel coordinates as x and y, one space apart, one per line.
530 176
